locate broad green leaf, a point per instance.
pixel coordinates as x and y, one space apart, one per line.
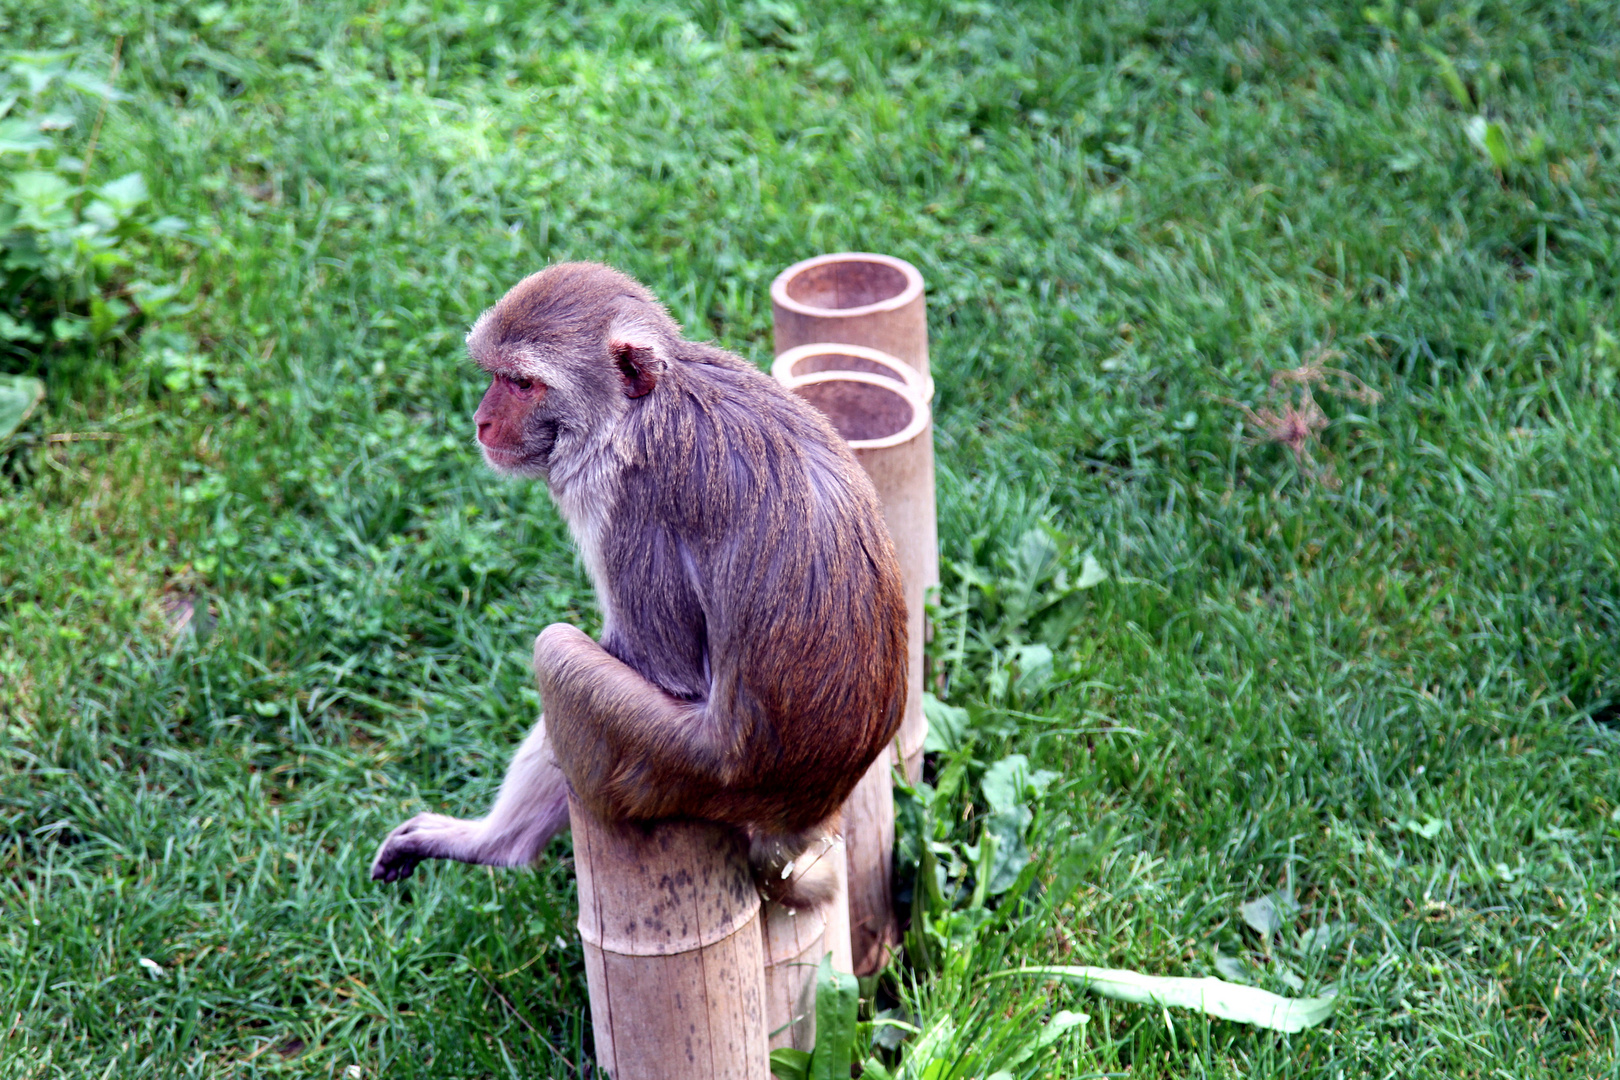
947 725
1091 572
1037 556
125 194
1004 782
42 199
1034 667
1214 997
790 1064
18 135
1269 913
838 1000
1428 828
19 396
12 330
1010 856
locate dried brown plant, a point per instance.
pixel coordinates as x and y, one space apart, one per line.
1295 421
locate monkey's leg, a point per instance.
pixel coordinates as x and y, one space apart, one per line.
531 808
631 750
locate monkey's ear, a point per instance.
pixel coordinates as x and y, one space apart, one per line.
638 365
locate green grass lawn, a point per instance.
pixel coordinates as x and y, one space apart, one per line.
1299 319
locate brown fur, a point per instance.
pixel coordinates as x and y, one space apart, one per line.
752 663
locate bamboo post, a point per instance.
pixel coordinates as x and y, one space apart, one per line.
888 428
869 832
669 917
853 298
795 941
875 306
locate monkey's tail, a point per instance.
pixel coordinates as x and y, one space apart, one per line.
797 870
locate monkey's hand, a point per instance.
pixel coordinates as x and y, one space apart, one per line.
531 808
425 836
630 750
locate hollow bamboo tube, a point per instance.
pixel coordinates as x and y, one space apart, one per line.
795 941
891 432
888 429
853 298
831 356
669 917
858 298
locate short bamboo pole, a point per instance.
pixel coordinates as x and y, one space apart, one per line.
669 917
888 428
854 298
891 432
869 829
795 941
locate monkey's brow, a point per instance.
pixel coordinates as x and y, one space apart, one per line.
490 365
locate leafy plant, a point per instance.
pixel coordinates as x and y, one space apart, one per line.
68 248
999 626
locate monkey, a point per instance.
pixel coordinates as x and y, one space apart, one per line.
752 661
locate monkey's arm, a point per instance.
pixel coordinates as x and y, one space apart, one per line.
630 750
531 808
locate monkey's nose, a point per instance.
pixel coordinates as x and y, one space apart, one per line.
483 425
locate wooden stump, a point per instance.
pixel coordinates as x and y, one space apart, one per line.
669 917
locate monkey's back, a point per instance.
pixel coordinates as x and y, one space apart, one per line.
757 579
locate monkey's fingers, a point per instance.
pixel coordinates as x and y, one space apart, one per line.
425 836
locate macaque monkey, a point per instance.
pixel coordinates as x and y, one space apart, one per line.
753 654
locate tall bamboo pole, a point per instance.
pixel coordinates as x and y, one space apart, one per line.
876 307
854 298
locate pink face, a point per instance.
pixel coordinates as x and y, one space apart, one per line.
503 417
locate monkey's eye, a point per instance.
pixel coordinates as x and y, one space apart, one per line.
524 385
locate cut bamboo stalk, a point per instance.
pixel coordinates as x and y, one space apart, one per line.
795 942
888 430
669 917
831 356
853 298
869 835
891 433
858 298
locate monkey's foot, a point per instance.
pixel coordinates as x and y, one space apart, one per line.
425 836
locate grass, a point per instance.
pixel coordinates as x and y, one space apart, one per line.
1376 668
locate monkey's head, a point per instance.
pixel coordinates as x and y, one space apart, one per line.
569 351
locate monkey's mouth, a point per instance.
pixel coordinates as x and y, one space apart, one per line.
511 461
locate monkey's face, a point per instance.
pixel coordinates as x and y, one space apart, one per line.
514 430
567 351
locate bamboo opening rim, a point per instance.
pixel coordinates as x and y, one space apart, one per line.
920 416
919 383
785 281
